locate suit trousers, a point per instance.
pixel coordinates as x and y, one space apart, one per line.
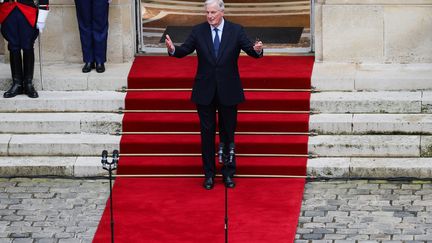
92 18
227 121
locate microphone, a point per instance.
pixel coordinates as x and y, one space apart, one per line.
221 155
104 159
115 156
231 153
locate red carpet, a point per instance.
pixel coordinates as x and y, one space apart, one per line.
166 100
177 210
268 72
180 210
189 122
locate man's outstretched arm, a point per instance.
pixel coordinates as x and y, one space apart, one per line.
254 50
180 51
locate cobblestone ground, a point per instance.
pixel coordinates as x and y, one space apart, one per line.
366 211
50 210
68 211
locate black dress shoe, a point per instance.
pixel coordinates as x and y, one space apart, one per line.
29 90
229 183
88 66
100 67
15 90
208 183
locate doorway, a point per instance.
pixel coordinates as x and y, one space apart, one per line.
283 25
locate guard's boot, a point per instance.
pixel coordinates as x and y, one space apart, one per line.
17 75
28 61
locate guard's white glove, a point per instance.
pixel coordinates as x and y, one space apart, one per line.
43 14
1 1
109 1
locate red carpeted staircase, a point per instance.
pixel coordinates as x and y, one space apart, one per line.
161 137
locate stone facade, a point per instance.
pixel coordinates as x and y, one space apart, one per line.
60 39
346 31
373 31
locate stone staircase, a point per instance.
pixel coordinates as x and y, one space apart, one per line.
63 132
374 120
361 132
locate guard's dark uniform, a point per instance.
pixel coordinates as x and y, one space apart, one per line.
92 18
18 26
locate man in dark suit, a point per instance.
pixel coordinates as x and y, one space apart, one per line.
92 18
217 85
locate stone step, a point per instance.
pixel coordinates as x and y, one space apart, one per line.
370 145
427 102
51 166
62 101
106 123
325 76
323 102
57 144
32 123
323 145
372 102
68 77
372 77
370 167
320 167
371 124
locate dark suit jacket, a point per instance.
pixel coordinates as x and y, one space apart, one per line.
217 76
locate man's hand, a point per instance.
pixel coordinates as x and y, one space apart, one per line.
258 47
169 44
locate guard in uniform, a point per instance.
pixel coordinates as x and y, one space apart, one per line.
21 21
92 18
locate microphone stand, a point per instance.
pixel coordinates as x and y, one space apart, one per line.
226 215
110 167
227 161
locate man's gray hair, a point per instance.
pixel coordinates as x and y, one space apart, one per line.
220 3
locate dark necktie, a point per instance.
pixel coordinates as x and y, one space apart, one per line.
216 42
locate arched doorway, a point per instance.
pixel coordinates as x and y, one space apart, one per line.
283 25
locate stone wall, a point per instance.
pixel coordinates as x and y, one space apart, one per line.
373 31
60 39
346 31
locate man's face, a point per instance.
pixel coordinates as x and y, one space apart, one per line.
214 15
